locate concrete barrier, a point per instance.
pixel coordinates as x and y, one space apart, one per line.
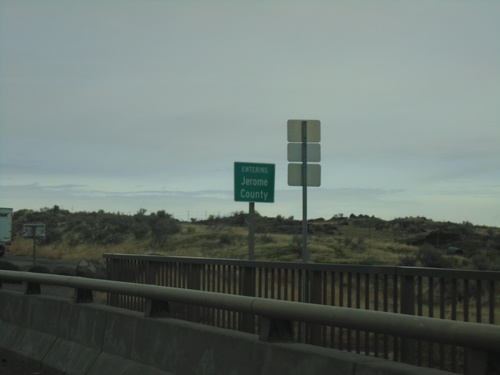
79 341
29 324
95 340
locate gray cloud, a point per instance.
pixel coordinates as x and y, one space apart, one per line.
113 97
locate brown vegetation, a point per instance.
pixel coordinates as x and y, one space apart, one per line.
354 239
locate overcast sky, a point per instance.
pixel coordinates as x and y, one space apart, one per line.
122 105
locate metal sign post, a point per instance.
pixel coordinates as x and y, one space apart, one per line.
304 194
35 231
304 137
251 230
253 183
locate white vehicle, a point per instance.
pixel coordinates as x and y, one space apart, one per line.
5 229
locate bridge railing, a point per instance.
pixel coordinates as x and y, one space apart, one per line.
456 295
276 316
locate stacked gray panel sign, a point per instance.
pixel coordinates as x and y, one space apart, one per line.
294 152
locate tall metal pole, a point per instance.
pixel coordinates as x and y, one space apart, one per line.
304 191
251 230
304 210
305 297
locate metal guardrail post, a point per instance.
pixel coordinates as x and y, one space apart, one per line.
112 273
248 289
407 298
156 309
152 273
316 292
32 288
194 282
83 296
271 329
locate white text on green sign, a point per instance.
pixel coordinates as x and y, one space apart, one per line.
254 182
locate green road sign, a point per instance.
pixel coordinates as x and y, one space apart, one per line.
254 182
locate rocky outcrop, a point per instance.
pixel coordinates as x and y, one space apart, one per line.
8 266
65 271
39 269
92 269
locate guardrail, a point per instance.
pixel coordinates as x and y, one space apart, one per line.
276 316
458 295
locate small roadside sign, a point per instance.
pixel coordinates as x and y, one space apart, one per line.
34 230
294 132
295 175
295 152
254 182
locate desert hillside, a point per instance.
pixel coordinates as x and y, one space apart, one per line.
354 239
